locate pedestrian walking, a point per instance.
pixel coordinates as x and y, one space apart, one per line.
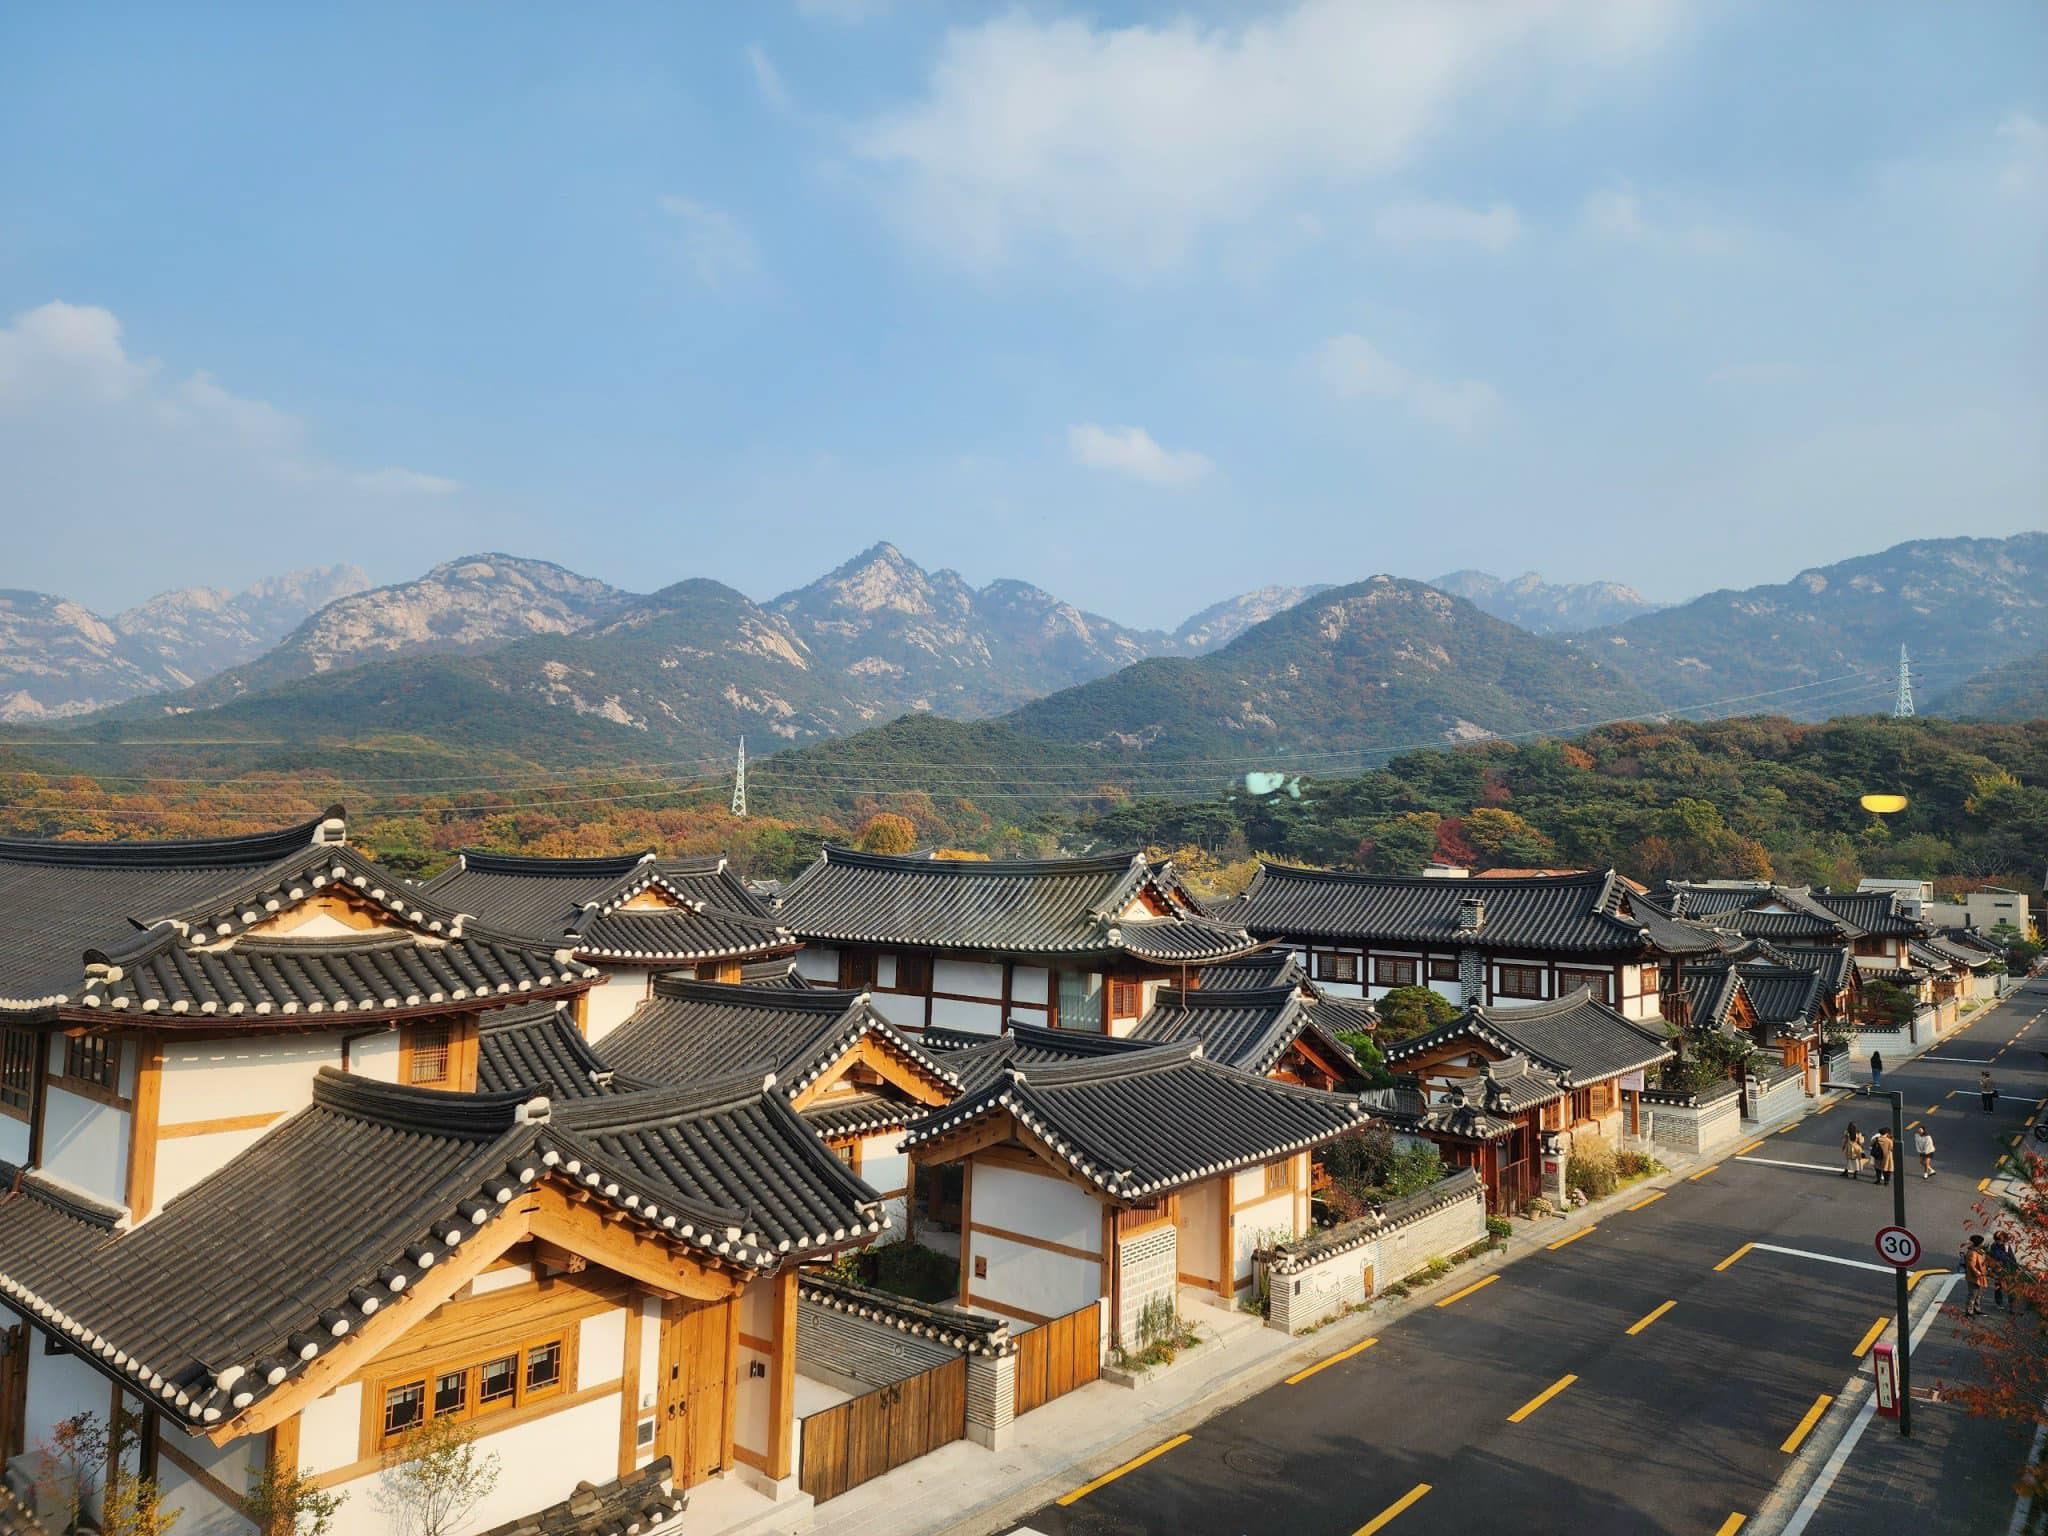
1877 1069
1923 1144
1976 1272
1881 1156
1989 1090
2004 1269
1852 1152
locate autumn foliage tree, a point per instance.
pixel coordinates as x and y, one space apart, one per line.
2009 1348
886 832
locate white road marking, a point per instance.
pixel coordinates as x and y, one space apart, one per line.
1779 1162
1825 1258
1832 1468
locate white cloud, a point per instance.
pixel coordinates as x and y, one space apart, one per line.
1494 228
714 245
1134 452
1354 369
1123 144
1623 215
768 79
2024 138
98 439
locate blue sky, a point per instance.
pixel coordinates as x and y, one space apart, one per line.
1144 305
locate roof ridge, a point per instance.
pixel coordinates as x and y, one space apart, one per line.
1139 1062
435 1111
1090 864
478 860
1355 877
246 848
668 1102
831 1000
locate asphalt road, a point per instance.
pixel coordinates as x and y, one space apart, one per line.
1631 1380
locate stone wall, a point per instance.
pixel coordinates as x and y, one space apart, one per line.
1782 1095
1693 1124
1147 1268
1317 1277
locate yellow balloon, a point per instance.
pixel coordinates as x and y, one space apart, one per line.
1884 805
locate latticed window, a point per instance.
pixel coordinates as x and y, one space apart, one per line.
1521 981
17 1068
1392 972
1123 998
1280 1175
429 1053
513 1379
90 1059
404 1407
1441 969
1330 967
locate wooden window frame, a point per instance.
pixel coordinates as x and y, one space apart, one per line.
913 975
1382 963
1284 1170
1124 998
100 1055
1501 988
417 1045
1652 979
1571 977
376 1439
20 1050
857 969
1441 969
1327 962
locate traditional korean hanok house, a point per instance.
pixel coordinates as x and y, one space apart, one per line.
590 1285
1079 944
1545 1077
1483 942
162 1003
633 916
1979 961
1779 1007
1119 1173
1275 1032
855 1080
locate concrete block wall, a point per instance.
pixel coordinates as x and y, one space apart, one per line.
1148 1267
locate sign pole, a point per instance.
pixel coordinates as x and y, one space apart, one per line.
1905 1345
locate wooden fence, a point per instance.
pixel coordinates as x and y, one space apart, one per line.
1056 1357
849 1443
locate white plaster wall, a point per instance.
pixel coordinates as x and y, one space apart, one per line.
213 1079
14 1136
885 970
751 1401
1270 1221
60 1387
979 1018
1029 1203
623 988
1029 983
975 978
331 1429
183 1161
819 965
200 1513
85 1143
1201 1228
375 1056
1031 1279
650 1358
501 1279
1247 1184
540 1462
905 1011
881 1165
600 1349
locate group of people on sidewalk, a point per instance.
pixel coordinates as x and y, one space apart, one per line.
1880 1153
1994 1265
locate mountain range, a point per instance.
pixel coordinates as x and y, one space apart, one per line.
1544 607
525 660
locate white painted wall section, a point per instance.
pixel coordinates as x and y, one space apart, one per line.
85 1143
975 1018
612 1000
972 978
819 965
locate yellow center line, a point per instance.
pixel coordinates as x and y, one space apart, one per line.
1461 1295
1323 1365
1863 1344
1572 1239
1805 1425
1982 1185
1130 1466
1645 1322
1540 1399
1740 1151
1738 1253
1788 1130
1650 1199
1934 1109
1731 1525
1379 1521
1918 1275
1702 1173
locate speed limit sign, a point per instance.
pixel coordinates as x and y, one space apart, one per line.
1898 1247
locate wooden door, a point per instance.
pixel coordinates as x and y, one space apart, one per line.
14 1343
695 1377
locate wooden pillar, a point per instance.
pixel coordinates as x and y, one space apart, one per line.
966 1228
142 1123
782 1379
732 1379
629 1384
579 1013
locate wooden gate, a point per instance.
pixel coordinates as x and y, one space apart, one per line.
693 1398
1058 1356
851 1442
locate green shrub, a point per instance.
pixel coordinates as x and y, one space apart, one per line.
1636 1165
1498 1227
1593 1171
910 1269
1439 1266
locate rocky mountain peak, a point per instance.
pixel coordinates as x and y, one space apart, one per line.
1545 607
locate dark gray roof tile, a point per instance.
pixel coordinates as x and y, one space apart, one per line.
1541 912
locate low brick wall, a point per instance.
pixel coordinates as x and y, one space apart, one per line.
1693 1124
1776 1096
1318 1276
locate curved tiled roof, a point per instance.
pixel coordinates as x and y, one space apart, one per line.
1034 906
693 1029
624 1506
977 1060
1545 912
1782 994
1273 966
1247 1030
538 1049
1576 1035
259 1268
678 934
1138 1123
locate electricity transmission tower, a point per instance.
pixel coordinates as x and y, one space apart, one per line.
739 779
1903 706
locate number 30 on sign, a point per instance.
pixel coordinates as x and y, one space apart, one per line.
1898 1247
